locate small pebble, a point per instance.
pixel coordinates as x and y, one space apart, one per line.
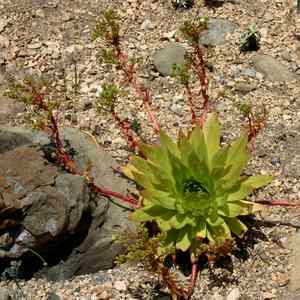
120 285
234 294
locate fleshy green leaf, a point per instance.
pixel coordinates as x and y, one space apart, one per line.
183 240
236 226
257 181
198 143
237 158
234 209
211 131
200 230
156 155
168 144
152 212
218 233
159 198
141 164
142 180
180 221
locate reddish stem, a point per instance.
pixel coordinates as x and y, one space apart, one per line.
199 68
191 103
278 203
143 93
132 141
194 275
108 193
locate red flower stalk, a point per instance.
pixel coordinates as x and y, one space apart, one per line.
132 140
190 97
199 67
142 92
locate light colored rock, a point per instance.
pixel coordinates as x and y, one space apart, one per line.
39 13
244 87
9 109
216 296
291 157
294 285
271 68
169 35
217 32
4 294
165 58
120 285
250 72
3 23
147 25
34 46
4 41
234 294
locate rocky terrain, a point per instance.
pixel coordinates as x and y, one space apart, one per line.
53 38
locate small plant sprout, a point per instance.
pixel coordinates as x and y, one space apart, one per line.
183 4
250 40
256 119
108 28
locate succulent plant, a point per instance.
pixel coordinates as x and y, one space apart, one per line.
193 188
183 4
250 40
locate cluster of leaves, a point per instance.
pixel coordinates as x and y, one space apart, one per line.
107 99
108 28
181 72
193 189
32 91
256 118
141 247
250 40
191 30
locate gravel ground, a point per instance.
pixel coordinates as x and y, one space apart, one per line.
53 36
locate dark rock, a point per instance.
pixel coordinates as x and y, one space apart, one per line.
53 212
216 33
165 58
53 296
18 176
271 68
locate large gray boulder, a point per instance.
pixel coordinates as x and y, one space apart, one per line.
47 206
217 30
165 58
271 68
